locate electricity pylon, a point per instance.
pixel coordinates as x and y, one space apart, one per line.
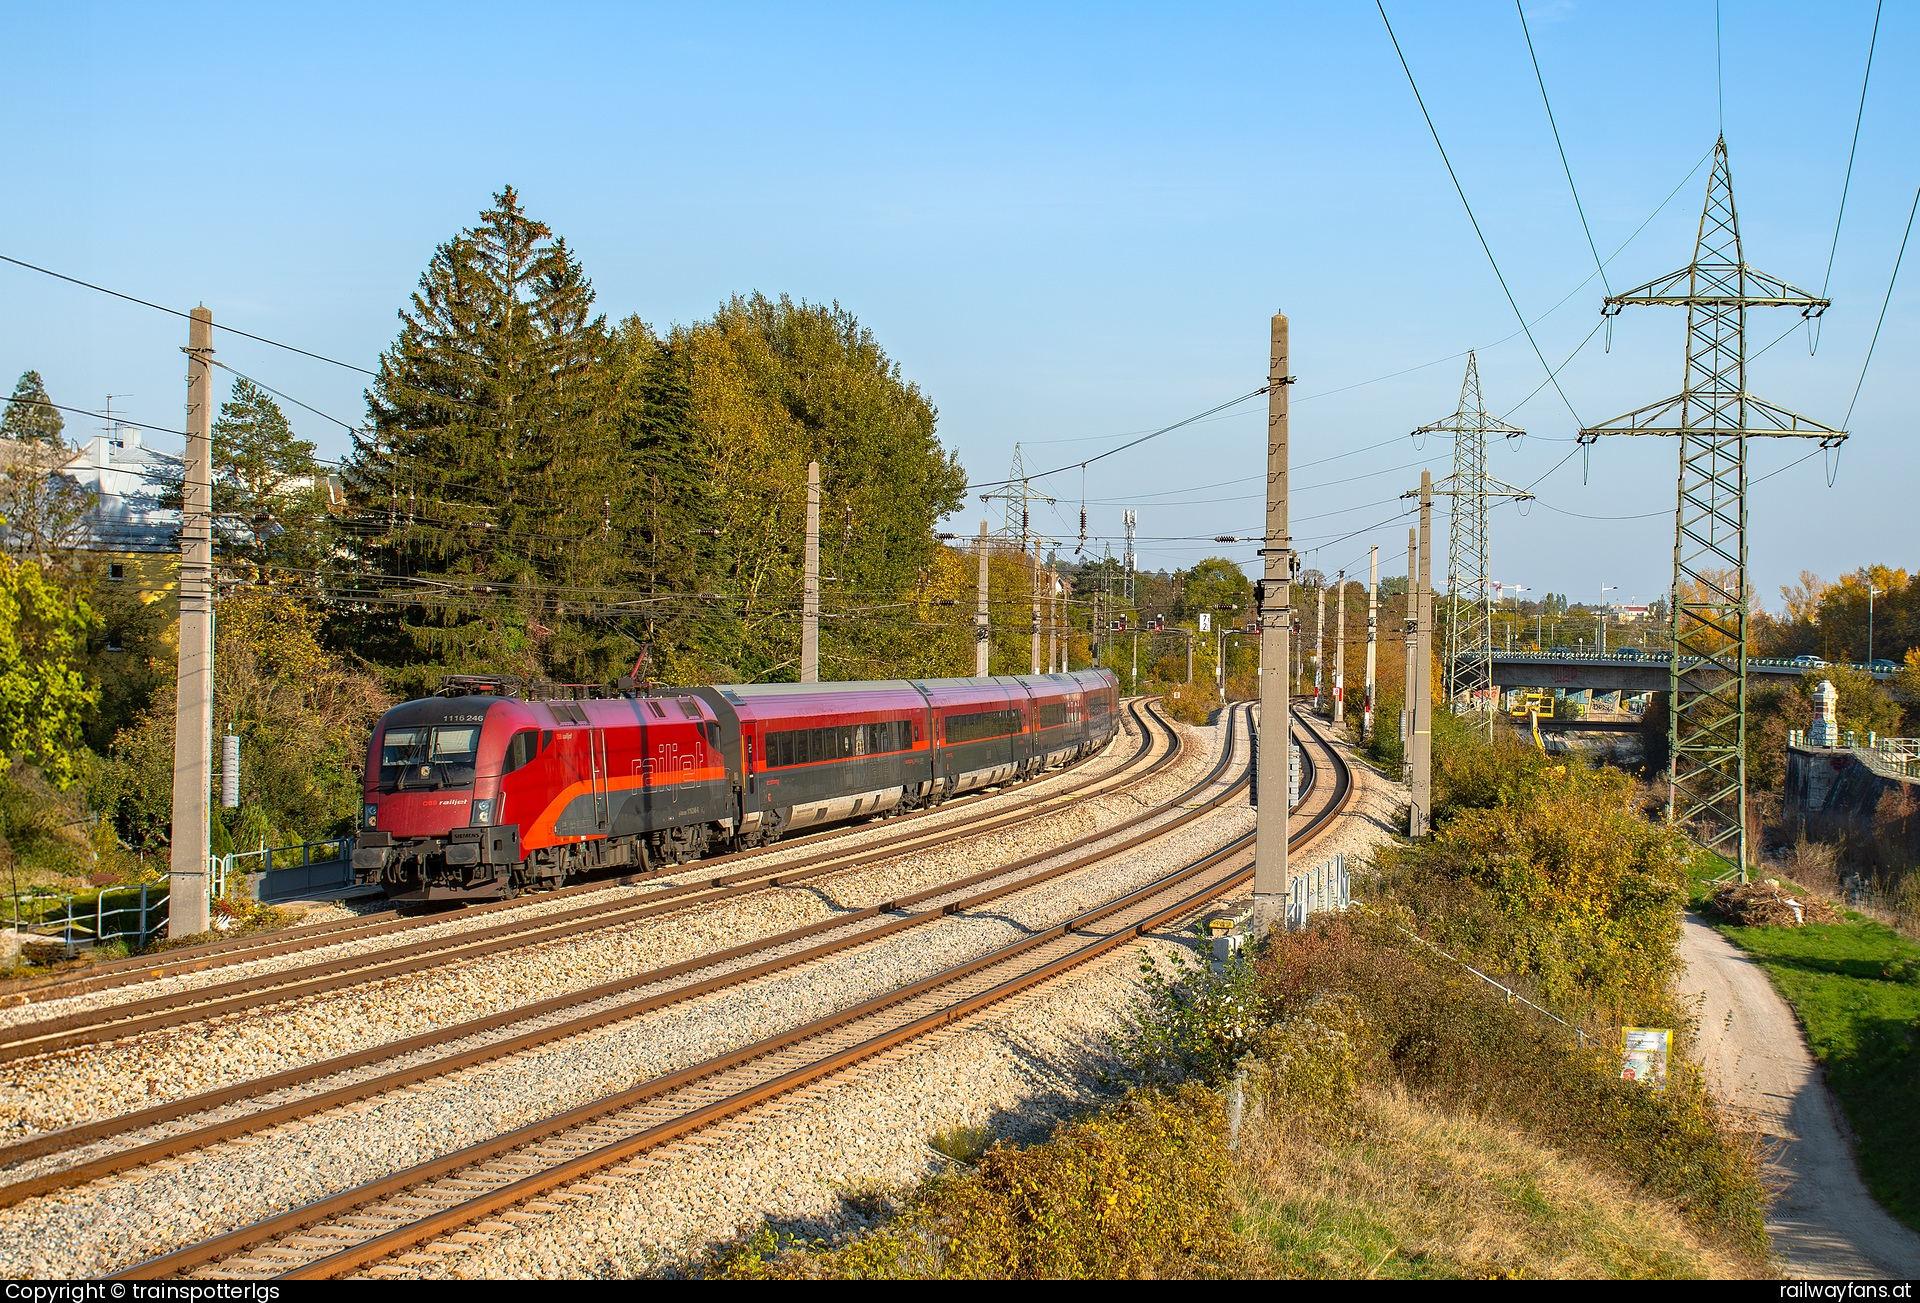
1713 416
1469 665
1019 495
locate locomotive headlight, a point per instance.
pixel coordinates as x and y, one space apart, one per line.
372 816
482 813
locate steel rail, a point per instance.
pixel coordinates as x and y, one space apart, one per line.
86 1133
572 1166
241 950
249 994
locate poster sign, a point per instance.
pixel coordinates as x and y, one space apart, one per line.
1644 1055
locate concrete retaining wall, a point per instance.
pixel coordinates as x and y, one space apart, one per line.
1839 797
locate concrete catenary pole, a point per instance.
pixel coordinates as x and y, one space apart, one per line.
1053 620
982 631
1373 622
1319 645
188 907
1407 676
1340 652
1133 676
1036 606
1276 653
1422 817
810 592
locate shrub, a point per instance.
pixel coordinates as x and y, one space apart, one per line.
1190 705
1546 873
1452 1039
1189 1022
1141 1189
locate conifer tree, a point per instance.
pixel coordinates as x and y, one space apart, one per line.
264 492
43 511
488 451
667 517
31 416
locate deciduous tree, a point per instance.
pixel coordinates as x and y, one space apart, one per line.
43 695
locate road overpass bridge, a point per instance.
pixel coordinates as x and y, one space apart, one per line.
1631 670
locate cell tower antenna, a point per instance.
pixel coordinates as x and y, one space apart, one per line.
1132 519
1713 416
1469 662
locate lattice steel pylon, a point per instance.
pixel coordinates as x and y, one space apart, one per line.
1469 663
1019 495
1713 416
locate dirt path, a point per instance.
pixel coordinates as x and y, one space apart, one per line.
1823 1222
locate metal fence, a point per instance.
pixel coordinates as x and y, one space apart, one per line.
134 915
138 914
1897 757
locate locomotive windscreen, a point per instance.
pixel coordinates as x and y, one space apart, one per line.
429 757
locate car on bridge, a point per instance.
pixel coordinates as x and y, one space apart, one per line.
1627 653
1883 667
1811 662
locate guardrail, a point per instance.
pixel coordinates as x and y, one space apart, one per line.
1325 889
1882 669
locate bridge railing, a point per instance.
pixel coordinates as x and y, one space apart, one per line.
1660 656
1898 757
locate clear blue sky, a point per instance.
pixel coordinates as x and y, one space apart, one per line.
1066 223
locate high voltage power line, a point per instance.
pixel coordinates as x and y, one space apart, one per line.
1580 208
1859 114
185 316
1461 191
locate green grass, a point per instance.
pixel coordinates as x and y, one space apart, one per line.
1403 1189
1862 1023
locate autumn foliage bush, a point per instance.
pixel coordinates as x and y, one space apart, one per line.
1547 873
1140 1189
1442 1033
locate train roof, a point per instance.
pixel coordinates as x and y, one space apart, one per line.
848 687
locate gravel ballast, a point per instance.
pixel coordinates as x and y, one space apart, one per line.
237 1182
811 1164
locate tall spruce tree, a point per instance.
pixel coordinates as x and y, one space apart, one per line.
489 460
265 492
666 517
31 416
43 510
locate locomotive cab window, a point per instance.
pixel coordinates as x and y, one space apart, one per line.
423 757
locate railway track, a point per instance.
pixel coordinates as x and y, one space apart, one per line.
359 1227
253 992
563 1016
243 950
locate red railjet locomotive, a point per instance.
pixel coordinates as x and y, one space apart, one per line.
481 792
